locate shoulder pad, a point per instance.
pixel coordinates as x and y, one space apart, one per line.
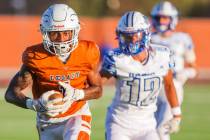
185 38
163 54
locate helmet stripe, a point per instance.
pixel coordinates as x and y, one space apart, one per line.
132 19
160 8
127 19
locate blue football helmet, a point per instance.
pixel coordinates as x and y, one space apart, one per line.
133 24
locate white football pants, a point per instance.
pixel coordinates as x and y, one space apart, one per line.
75 128
122 127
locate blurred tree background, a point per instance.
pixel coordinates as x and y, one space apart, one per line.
103 8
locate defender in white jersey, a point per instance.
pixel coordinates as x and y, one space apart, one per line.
164 19
139 72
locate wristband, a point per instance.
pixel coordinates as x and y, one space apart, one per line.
176 111
80 94
29 104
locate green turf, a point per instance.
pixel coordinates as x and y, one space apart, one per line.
19 124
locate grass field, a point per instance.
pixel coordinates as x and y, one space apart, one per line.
19 124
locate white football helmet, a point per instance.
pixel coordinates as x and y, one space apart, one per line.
60 17
133 22
164 8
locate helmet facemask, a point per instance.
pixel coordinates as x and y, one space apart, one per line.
60 48
162 27
130 47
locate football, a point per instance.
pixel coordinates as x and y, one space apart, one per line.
57 96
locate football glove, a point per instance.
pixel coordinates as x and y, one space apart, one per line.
108 63
39 105
54 110
35 105
173 125
70 95
43 105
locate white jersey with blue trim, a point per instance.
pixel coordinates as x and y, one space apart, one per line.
181 47
137 84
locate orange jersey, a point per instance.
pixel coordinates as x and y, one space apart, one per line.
48 69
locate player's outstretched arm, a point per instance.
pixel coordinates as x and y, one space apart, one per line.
18 83
172 125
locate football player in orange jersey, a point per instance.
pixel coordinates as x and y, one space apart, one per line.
62 63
